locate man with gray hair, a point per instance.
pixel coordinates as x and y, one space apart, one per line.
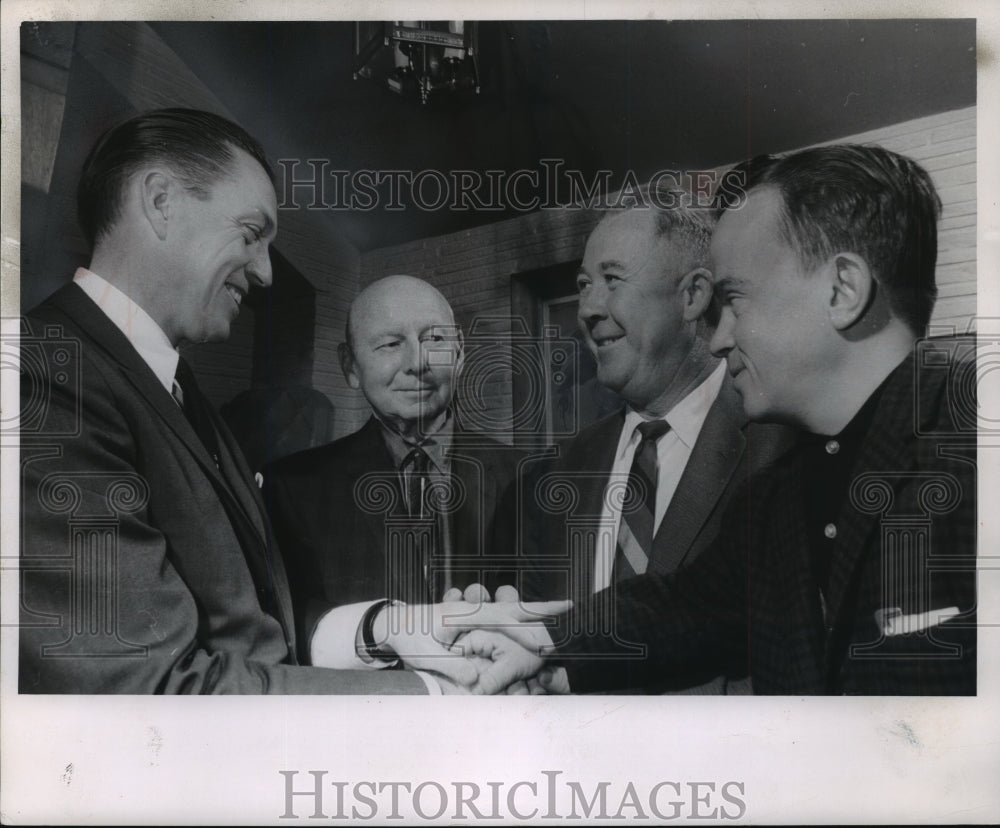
652 480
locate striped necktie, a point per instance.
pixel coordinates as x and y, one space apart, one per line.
635 532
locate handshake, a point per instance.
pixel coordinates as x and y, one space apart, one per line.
472 644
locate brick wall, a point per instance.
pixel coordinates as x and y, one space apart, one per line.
474 268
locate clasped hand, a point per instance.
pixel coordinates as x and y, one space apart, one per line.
474 645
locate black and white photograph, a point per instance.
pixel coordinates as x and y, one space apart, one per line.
595 364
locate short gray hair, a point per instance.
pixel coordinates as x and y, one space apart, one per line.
688 229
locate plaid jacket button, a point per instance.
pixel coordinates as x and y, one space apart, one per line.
830 531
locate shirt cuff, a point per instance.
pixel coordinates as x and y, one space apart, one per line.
433 688
334 639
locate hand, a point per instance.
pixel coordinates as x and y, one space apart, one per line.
449 687
473 594
521 622
510 665
508 594
527 687
547 678
554 680
421 634
409 632
530 687
410 629
477 593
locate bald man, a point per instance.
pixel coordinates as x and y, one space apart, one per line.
382 513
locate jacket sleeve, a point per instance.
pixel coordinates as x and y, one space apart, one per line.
678 630
305 579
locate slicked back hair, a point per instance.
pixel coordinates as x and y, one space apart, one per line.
199 147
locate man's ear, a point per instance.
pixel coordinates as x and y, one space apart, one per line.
696 287
853 289
347 365
157 191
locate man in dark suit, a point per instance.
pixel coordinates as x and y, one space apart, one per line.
146 561
646 313
848 567
385 510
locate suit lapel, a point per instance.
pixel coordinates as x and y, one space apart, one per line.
72 301
230 479
78 306
242 504
589 466
714 459
596 456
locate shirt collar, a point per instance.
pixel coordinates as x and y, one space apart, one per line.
854 433
436 444
688 416
146 336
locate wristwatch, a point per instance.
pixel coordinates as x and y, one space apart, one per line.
371 649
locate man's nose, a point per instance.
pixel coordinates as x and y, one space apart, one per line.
259 268
416 356
722 340
593 303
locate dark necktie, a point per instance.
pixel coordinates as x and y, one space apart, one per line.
195 408
415 472
414 581
635 532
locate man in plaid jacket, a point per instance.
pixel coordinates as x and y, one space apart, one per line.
849 565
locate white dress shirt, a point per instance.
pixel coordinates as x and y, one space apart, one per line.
146 336
673 450
334 643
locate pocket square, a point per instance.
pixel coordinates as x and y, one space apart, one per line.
891 620
259 479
